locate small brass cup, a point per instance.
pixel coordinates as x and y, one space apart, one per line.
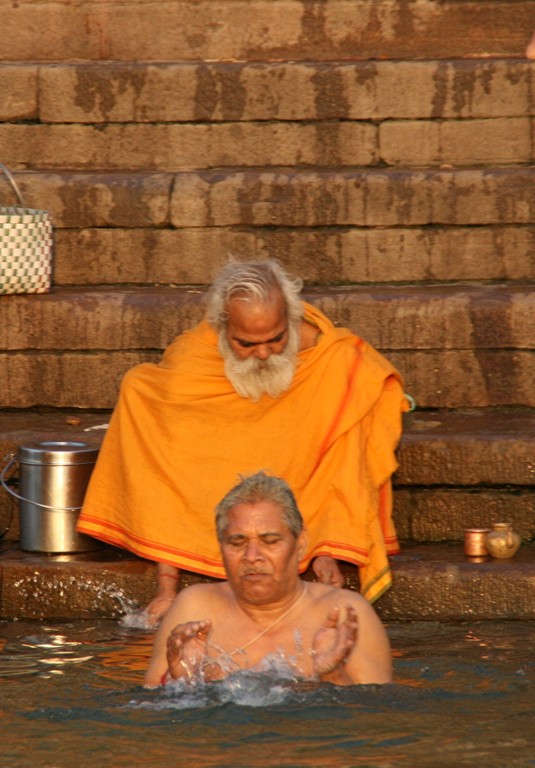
474 542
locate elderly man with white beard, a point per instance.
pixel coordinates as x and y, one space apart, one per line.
264 382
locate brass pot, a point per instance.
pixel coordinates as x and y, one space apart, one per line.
502 541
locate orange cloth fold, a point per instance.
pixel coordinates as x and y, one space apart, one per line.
180 437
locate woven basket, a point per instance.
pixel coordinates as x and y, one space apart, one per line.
26 241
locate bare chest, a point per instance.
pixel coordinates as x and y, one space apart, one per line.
282 648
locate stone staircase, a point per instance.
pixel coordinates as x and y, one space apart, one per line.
382 150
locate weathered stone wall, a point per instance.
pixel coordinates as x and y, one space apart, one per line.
382 150
262 30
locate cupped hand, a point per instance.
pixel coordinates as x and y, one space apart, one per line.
334 641
186 648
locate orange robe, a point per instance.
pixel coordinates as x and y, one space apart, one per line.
180 436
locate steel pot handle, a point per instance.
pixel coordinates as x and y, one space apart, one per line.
10 463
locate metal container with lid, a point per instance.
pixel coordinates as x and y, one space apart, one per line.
53 479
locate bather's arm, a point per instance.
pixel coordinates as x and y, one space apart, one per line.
190 604
351 646
168 578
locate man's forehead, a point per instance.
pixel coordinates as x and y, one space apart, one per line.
247 308
262 517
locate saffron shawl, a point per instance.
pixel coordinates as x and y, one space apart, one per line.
180 436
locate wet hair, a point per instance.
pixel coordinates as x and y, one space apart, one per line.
254 282
254 489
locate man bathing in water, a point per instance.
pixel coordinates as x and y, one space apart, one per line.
264 609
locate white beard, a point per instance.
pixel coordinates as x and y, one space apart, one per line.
252 377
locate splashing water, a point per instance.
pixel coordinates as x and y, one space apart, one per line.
244 688
136 619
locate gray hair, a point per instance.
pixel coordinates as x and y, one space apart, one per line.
254 489
253 281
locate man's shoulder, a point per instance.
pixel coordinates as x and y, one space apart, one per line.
195 602
330 595
201 594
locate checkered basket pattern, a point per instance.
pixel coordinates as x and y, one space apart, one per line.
26 240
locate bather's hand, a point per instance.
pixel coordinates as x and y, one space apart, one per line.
158 607
186 649
328 571
333 643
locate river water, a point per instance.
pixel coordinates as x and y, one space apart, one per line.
71 695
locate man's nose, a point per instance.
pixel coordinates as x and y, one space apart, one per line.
252 551
262 352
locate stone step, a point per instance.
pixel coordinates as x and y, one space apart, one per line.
333 254
438 379
370 197
374 225
70 348
433 582
465 469
267 144
449 316
184 92
438 582
263 30
457 470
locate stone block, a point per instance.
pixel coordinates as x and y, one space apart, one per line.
468 448
92 321
189 256
79 200
438 514
400 254
368 198
475 379
9 517
439 317
103 584
299 198
21 427
65 380
456 142
423 510
244 91
467 378
263 30
148 256
18 86
169 147
434 317
437 582
420 515
457 88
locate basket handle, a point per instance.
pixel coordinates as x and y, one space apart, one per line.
13 183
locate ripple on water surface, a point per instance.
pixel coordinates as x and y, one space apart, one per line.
463 694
